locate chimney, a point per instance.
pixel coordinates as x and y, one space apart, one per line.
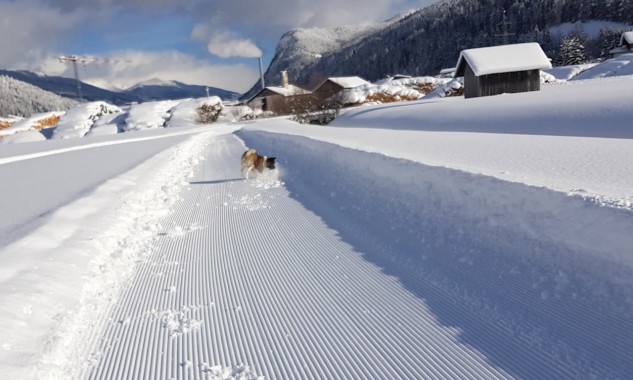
284 79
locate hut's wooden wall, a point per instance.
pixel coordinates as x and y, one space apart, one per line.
495 84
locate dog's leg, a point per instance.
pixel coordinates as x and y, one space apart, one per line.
248 171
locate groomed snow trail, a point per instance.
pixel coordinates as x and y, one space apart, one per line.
246 282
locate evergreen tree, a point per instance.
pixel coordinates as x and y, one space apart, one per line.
572 50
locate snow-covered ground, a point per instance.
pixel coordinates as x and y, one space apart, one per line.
441 238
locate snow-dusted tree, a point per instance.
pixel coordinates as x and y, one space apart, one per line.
22 99
572 50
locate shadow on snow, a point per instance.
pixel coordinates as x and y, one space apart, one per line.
532 278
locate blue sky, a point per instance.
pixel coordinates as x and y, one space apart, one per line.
194 41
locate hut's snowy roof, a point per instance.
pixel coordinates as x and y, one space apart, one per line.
503 59
288 91
348 82
627 38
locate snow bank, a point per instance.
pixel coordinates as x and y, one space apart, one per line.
597 108
233 114
62 277
186 113
23 137
619 66
29 122
362 94
108 124
472 235
78 120
149 115
565 73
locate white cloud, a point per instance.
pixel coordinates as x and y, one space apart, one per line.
228 45
34 32
28 31
225 44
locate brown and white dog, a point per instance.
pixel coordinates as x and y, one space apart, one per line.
251 160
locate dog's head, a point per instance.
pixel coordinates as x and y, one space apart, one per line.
270 163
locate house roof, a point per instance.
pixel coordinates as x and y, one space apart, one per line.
627 38
346 82
288 91
619 50
283 91
503 59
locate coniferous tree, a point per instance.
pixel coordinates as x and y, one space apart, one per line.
572 51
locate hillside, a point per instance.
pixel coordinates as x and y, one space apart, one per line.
157 89
22 99
150 90
67 87
430 39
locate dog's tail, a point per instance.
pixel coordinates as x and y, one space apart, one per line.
249 152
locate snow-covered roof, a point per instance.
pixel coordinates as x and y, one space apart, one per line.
288 91
291 90
619 50
503 59
347 82
627 38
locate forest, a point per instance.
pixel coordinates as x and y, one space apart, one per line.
430 39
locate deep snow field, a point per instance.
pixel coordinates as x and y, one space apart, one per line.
445 238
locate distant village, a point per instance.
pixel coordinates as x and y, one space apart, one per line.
479 72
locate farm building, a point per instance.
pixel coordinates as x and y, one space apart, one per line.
626 45
501 69
280 100
335 85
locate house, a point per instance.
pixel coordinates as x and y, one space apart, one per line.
626 45
501 69
278 99
334 85
448 72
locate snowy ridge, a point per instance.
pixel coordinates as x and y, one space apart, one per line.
116 251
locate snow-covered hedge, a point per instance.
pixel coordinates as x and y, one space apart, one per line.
149 115
78 120
35 122
384 93
187 112
237 113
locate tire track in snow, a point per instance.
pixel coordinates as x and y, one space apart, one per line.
244 280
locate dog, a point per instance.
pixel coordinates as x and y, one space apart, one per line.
251 160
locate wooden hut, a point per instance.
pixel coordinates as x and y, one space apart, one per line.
334 85
501 69
626 45
280 100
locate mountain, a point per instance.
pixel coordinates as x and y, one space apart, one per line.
154 89
158 89
22 99
427 40
67 87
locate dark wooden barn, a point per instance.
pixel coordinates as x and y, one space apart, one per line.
279 100
626 45
334 85
501 69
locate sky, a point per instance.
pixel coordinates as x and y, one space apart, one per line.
214 43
